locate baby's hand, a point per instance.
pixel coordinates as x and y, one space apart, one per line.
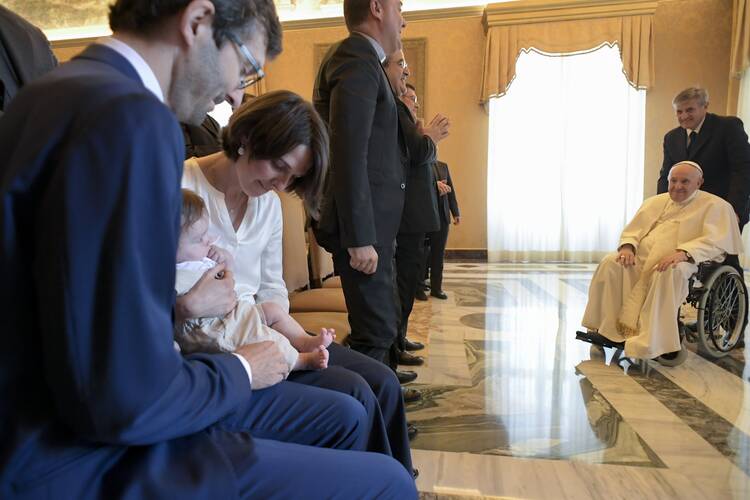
221 256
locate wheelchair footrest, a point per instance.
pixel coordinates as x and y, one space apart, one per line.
597 339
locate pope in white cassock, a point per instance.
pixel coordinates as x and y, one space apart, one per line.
636 293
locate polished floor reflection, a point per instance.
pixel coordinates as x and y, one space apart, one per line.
514 406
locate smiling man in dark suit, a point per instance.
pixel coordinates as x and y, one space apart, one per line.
97 402
717 143
420 215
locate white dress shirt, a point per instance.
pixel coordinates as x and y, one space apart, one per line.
256 245
375 45
697 130
145 73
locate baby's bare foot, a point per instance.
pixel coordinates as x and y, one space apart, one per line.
316 360
324 338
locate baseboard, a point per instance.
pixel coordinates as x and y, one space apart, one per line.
466 254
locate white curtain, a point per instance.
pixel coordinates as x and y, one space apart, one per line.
565 166
743 112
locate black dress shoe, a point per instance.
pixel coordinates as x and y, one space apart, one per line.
406 377
407 358
413 346
412 431
420 295
411 395
439 294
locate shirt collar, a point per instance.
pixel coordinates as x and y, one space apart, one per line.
375 45
145 73
697 129
687 200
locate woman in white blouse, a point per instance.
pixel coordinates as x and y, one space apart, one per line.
277 142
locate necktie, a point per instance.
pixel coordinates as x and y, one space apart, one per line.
691 140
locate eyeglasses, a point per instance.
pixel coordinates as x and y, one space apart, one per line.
257 72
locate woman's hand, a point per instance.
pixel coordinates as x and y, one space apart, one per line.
211 296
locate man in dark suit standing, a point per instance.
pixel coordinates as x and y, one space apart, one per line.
97 403
25 55
717 143
420 215
447 207
364 197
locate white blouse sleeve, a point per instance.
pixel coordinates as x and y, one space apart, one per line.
272 287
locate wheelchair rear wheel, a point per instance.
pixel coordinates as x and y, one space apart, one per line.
722 311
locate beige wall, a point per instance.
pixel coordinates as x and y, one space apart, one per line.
692 47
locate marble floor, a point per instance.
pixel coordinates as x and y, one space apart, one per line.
515 407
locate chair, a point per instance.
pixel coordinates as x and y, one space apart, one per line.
311 308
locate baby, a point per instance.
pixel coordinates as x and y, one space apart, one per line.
247 323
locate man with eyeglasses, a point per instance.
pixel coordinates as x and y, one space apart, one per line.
97 403
420 216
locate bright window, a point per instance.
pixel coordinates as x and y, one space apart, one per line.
565 167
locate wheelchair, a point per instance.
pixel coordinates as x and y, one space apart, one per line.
718 294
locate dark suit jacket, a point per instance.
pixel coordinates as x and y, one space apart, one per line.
25 55
722 151
203 139
420 202
447 204
89 215
364 194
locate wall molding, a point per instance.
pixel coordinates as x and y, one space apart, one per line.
544 11
411 16
462 254
73 42
307 24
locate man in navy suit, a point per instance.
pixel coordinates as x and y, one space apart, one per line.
717 143
97 403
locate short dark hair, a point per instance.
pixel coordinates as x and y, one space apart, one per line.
410 86
193 209
272 125
355 12
231 16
